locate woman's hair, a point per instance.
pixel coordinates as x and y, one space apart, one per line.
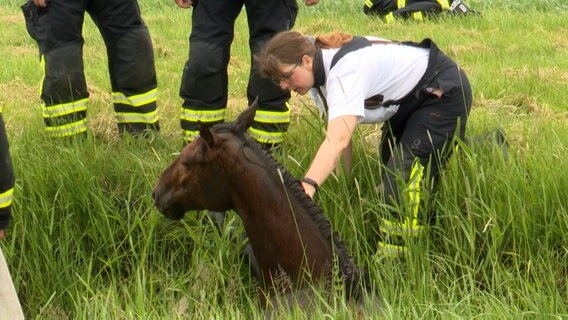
288 47
333 40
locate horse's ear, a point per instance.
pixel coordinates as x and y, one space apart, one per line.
200 147
205 133
244 121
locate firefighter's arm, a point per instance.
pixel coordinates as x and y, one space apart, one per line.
338 138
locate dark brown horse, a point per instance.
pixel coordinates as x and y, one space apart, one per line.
225 169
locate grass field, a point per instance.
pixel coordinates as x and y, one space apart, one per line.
87 243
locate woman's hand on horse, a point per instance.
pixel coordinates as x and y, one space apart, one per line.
309 189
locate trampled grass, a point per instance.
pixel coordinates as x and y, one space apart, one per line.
87 242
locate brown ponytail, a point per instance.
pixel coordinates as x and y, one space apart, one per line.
333 40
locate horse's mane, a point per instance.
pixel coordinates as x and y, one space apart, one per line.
349 270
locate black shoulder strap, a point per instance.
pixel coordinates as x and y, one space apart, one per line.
353 45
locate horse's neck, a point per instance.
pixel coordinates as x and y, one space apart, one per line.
269 199
280 228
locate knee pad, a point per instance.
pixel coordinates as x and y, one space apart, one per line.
133 60
64 77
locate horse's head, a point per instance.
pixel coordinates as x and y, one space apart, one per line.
197 179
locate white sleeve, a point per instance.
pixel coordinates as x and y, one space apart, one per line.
346 93
380 114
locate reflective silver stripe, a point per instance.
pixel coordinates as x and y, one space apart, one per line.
128 117
203 115
68 129
6 198
400 3
136 100
64 108
369 3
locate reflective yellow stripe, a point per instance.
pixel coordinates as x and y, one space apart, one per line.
389 18
42 66
400 3
136 100
190 135
417 16
68 129
130 117
390 250
409 227
64 108
265 136
368 3
414 184
203 115
445 4
272 116
6 198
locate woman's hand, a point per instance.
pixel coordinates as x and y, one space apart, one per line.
40 3
183 3
309 189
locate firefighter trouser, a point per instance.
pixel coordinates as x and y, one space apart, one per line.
6 178
205 77
391 10
58 31
413 154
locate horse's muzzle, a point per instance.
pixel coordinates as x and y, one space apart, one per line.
162 204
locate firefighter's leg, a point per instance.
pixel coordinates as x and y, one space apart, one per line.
7 179
57 31
204 81
9 303
418 10
265 19
131 64
379 7
419 154
402 186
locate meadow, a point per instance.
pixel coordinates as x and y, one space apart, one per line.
87 242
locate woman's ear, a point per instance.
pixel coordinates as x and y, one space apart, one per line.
307 61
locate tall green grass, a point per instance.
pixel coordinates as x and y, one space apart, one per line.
87 243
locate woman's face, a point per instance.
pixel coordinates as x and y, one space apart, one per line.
297 77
